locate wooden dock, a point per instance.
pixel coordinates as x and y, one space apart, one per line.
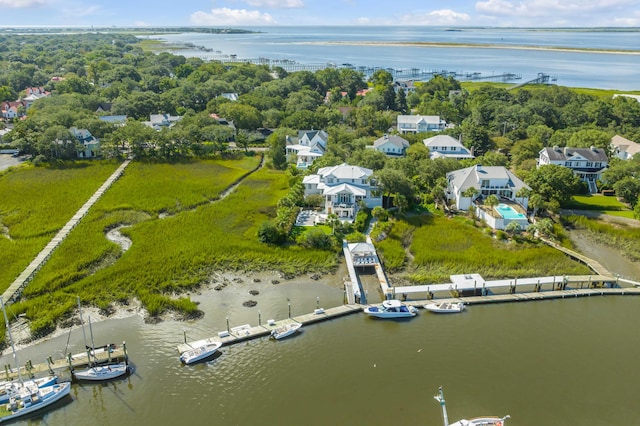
61 367
246 332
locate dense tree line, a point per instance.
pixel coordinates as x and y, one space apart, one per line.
502 127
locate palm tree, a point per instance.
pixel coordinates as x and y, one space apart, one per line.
536 201
492 200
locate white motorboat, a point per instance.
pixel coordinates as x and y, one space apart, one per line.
478 421
285 331
102 372
200 353
32 398
391 309
445 307
26 396
8 389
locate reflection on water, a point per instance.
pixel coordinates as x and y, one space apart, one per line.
558 362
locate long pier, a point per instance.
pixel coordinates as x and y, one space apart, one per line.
238 334
15 289
63 367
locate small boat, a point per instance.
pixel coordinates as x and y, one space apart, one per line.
31 398
102 372
8 389
445 307
391 309
200 353
285 330
478 421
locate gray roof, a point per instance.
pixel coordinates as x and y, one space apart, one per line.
345 171
566 153
472 176
394 139
442 140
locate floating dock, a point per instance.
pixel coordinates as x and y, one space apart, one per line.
246 332
63 367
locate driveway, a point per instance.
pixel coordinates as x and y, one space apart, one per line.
8 160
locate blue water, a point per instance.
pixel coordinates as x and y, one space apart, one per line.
311 45
508 212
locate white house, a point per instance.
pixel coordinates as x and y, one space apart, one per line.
158 121
623 148
492 180
420 123
391 145
342 187
586 163
444 146
90 145
309 145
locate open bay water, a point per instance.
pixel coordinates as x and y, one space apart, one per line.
501 52
557 362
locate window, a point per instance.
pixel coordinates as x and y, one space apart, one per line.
589 164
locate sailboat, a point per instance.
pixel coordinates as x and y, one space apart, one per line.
478 421
95 372
26 396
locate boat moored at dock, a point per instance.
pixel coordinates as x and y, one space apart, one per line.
200 353
391 309
100 373
285 331
32 398
445 307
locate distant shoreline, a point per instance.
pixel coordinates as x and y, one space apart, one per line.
472 45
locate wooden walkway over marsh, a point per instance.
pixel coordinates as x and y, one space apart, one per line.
15 289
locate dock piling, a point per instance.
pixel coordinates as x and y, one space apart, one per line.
228 329
289 309
259 317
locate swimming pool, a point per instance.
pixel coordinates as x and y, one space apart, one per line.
508 212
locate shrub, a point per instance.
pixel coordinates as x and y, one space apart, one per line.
269 233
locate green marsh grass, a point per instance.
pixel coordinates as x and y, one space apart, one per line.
173 254
441 247
626 239
36 202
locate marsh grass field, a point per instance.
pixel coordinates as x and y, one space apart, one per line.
181 233
441 246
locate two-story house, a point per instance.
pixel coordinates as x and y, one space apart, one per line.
485 181
586 163
158 121
444 146
391 145
420 123
342 188
88 145
623 148
306 147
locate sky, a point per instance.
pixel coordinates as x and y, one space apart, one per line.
251 13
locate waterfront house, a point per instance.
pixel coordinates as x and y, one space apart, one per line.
444 146
12 110
586 163
420 123
623 148
306 147
158 121
88 146
342 187
391 145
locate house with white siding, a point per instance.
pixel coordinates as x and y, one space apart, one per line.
623 148
306 147
343 187
586 163
444 146
420 123
391 145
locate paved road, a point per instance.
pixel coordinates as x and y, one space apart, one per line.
6 161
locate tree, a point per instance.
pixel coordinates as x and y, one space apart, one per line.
243 116
554 182
628 189
380 214
543 227
268 233
513 228
391 181
401 102
492 200
536 202
277 143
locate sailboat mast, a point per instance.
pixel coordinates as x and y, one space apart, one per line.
440 399
93 346
84 336
13 348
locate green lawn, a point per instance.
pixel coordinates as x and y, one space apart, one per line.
601 203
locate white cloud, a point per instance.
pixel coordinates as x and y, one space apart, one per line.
82 11
275 4
436 17
22 4
558 11
230 17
